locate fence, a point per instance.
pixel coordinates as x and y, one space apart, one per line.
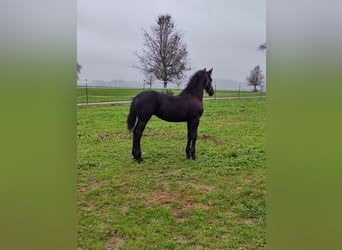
87 94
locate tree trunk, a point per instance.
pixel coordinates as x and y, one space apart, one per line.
255 89
165 87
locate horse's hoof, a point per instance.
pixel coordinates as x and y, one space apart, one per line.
139 160
191 157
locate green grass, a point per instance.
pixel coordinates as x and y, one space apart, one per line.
121 94
170 202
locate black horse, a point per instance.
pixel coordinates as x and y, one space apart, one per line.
185 107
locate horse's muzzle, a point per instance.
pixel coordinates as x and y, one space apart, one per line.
211 92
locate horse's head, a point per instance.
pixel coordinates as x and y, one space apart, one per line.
208 82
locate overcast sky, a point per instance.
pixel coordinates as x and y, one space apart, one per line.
223 34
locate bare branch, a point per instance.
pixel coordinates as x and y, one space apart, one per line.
262 47
79 67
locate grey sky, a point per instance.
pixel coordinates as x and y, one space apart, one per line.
223 34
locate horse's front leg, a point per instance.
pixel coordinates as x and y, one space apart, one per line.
188 145
192 137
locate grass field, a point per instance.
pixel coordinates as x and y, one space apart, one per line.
120 94
170 202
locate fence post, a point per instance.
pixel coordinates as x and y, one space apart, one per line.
86 90
239 90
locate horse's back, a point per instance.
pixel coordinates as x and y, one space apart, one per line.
145 104
146 98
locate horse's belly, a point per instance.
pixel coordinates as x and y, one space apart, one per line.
170 117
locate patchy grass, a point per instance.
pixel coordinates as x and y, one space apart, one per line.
170 202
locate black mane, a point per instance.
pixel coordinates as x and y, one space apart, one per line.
194 86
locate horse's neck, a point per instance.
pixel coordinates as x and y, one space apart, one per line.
194 91
198 94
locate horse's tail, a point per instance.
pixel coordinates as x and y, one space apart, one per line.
132 116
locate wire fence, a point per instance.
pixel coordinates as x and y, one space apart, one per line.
88 93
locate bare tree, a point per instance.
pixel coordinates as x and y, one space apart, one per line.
79 67
262 47
163 54
178 82
149 78
256 78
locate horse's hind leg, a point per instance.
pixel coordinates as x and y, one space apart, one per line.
137 133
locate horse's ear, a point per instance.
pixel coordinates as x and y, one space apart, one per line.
211 70
205 69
